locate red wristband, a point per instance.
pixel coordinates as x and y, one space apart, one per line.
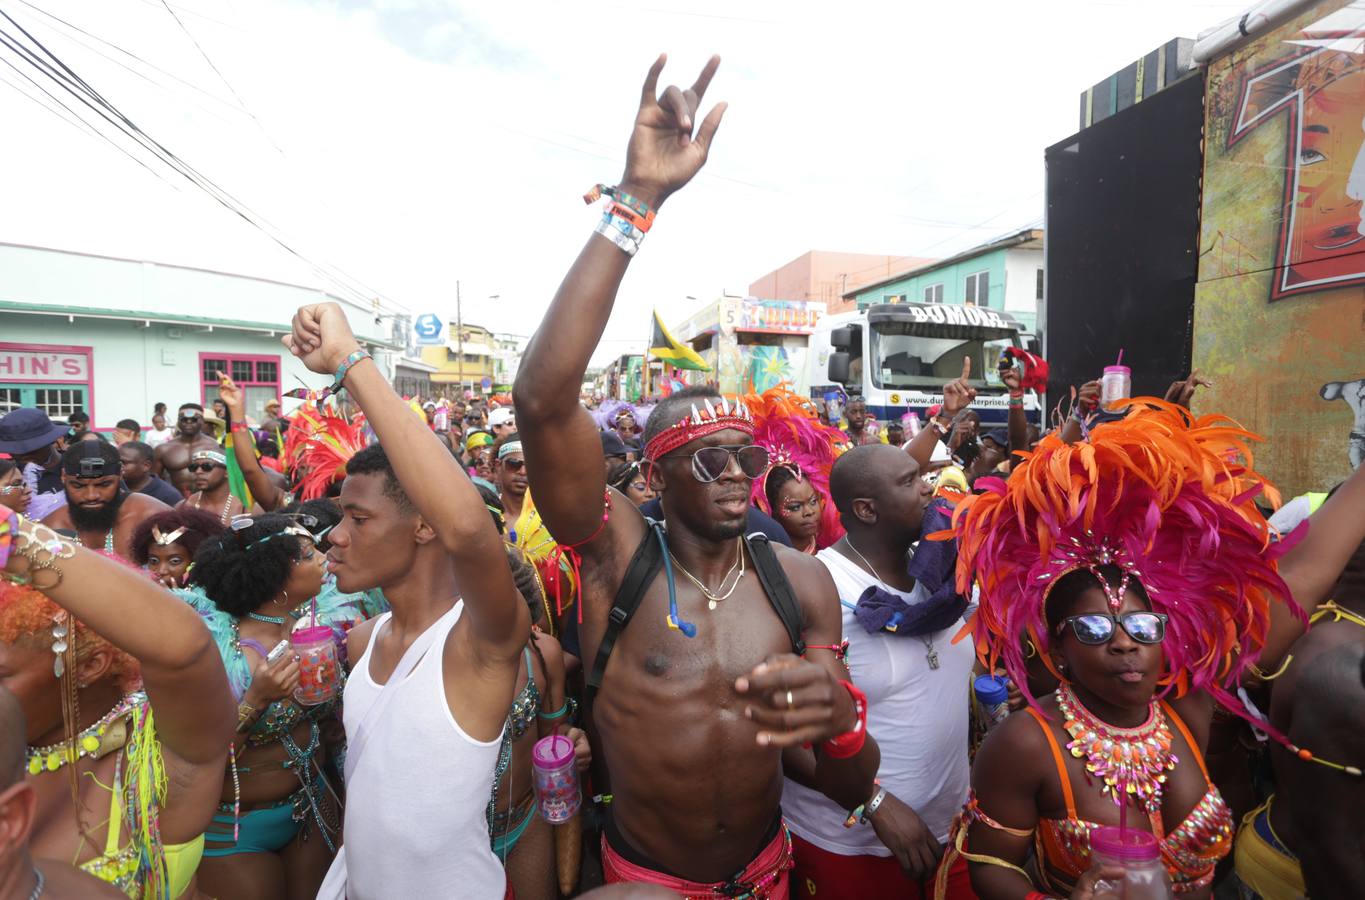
239 426
851 742
1037 895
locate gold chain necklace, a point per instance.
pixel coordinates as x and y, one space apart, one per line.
714 598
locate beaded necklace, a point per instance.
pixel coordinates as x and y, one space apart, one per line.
1128 760
273 620
89 742
108 541
227 506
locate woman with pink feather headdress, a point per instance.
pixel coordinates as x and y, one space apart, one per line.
795 489
1137 569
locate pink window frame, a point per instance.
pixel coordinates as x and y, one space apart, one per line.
88 383
238 357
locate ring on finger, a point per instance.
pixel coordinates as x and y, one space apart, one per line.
791 702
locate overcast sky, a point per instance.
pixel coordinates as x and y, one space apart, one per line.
411 143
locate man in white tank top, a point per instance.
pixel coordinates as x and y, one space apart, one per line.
433 679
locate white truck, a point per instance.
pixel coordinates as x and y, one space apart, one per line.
897 356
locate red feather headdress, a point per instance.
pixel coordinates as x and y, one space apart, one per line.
787 425
1165 497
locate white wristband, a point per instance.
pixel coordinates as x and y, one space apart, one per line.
613 234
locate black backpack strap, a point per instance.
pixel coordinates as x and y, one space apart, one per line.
644 565
779 590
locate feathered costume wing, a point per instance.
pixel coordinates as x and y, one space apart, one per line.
319 444
786 423
605 415
1166 497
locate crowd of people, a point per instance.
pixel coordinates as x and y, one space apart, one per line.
789 651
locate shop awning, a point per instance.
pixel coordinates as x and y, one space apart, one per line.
147 320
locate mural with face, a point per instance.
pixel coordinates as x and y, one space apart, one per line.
1321 94
1280 295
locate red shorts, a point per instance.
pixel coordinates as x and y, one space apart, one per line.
765 877
829 876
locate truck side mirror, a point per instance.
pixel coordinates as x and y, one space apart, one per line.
841 338
838 367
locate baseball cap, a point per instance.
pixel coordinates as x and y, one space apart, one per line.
1000 436
612 445
503 415
25 430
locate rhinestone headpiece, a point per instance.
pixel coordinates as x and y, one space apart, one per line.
712 417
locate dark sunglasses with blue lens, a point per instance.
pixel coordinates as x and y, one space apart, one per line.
1099 628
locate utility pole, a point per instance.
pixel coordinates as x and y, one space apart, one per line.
459 342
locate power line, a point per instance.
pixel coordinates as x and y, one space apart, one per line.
55 69
221 77
191 85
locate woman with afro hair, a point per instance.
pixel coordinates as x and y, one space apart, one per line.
278 820
165 544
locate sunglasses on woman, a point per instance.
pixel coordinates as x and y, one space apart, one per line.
1094 629
709 463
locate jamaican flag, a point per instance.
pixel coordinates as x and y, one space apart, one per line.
664 346
236 480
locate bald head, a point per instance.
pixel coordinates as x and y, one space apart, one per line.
863 472
12 731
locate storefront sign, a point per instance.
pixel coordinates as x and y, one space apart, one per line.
429 329
782 316
34 363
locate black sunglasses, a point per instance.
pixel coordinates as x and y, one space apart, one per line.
513 465
1094 629
193 418
709 463
201 467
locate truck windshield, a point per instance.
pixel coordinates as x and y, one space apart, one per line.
903 360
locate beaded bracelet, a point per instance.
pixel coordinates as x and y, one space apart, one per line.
38 539
346 365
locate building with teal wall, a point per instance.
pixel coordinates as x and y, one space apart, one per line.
1006 274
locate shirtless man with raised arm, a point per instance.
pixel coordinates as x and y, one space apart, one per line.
691 727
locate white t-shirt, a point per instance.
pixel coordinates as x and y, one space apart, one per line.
155 437
918 715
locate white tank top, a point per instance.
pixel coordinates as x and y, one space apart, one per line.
415 803
917 713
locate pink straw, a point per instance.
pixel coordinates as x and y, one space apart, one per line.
1120 362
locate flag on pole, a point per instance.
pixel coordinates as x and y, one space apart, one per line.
664 346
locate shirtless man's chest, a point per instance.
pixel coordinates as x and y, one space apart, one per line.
692 788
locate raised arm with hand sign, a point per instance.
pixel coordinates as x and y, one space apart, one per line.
664 154
703 690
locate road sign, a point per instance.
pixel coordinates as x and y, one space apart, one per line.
430 330
486 384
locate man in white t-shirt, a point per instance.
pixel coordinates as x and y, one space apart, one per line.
901 654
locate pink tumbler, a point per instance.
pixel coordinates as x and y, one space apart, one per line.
556 777
316 650
1139 854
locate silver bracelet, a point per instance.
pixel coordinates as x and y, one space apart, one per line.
873 804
